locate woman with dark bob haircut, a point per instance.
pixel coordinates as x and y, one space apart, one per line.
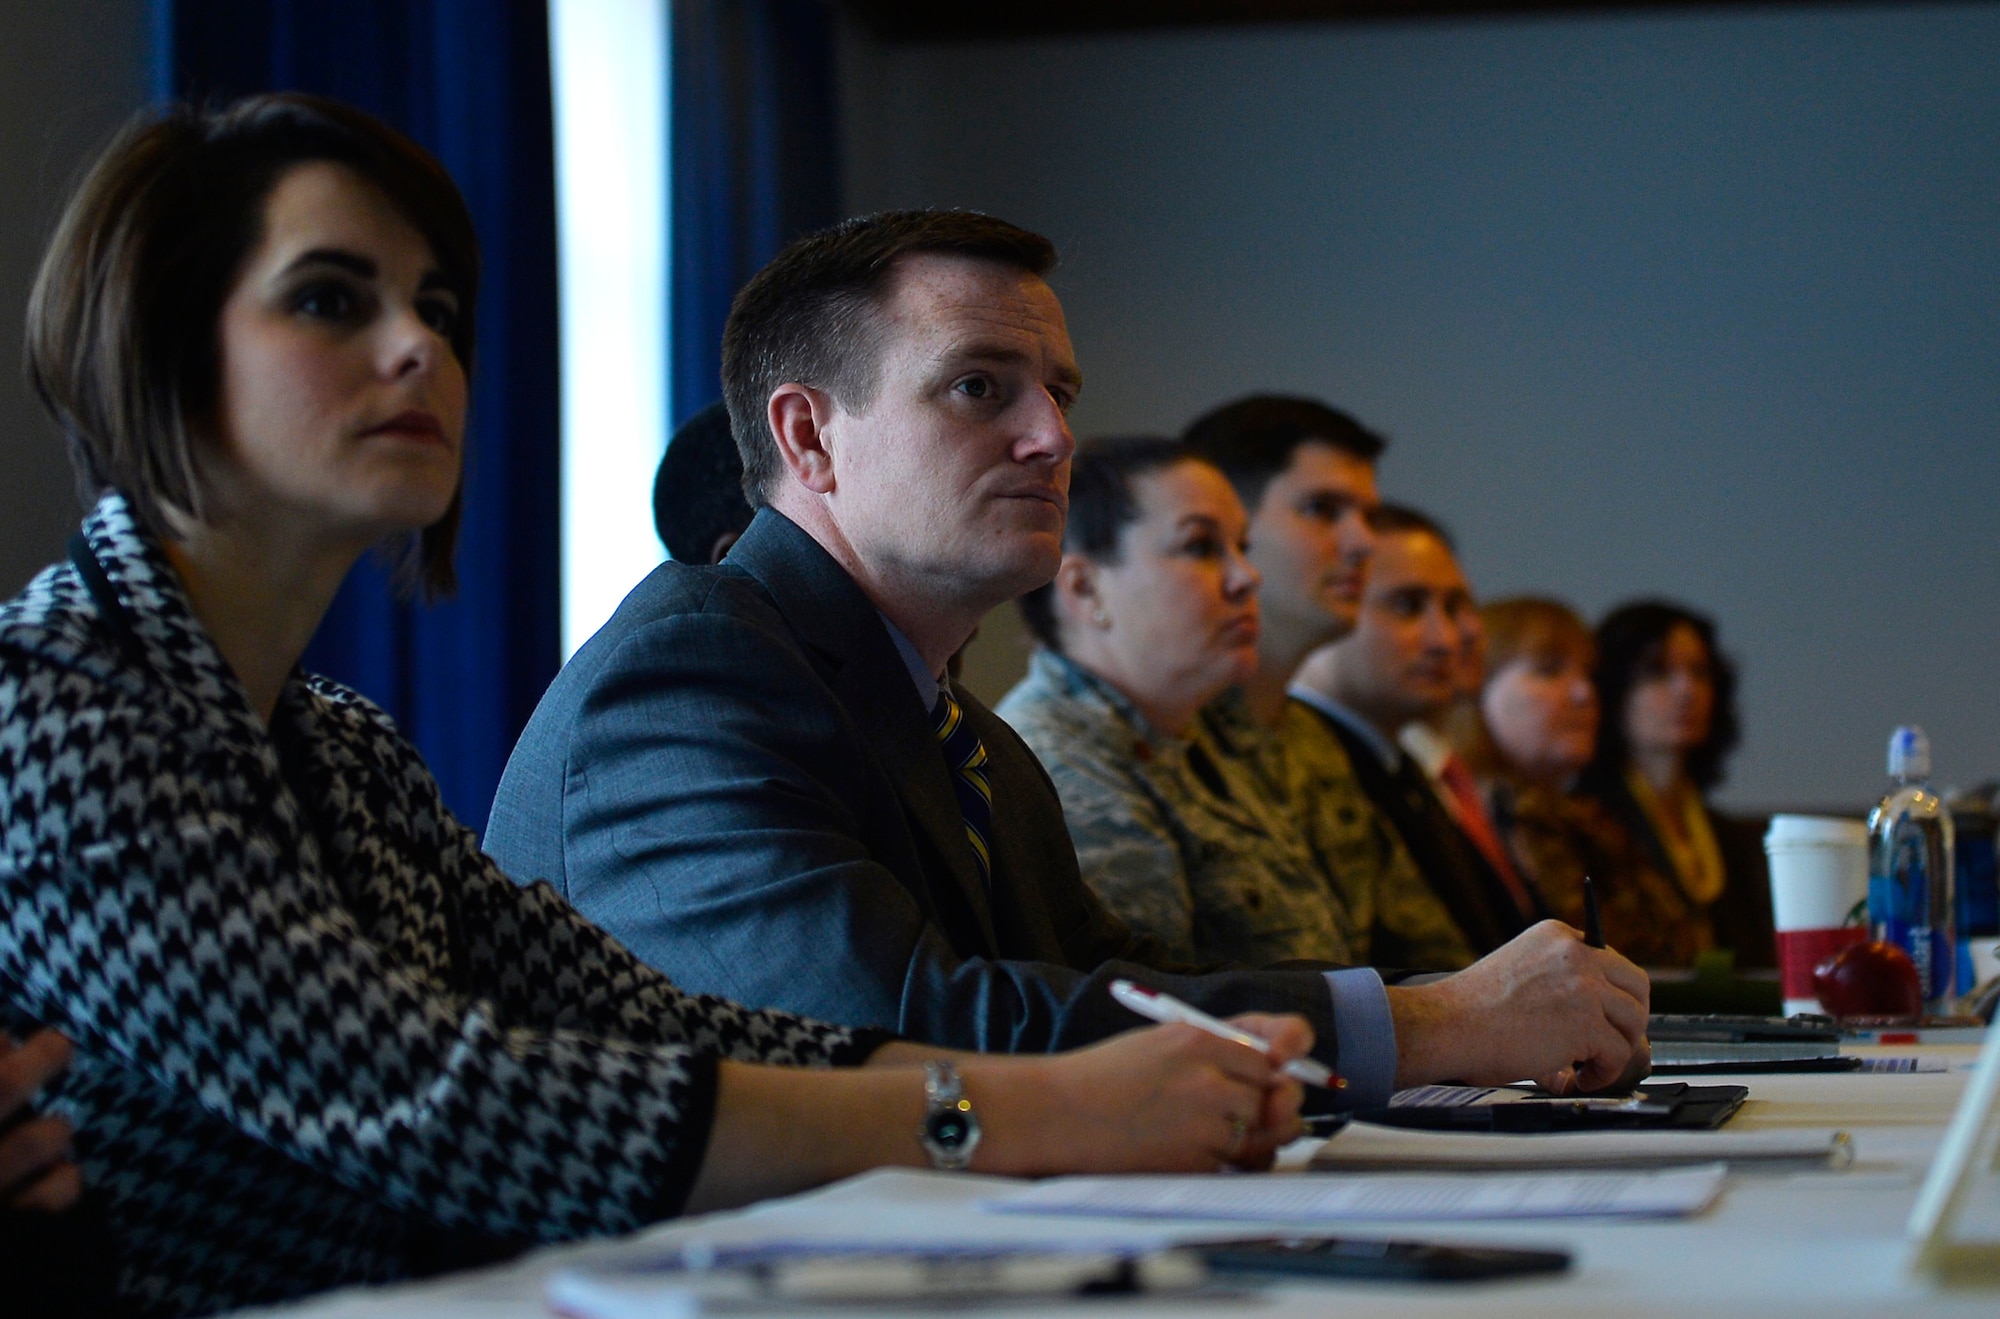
319 1037
1668 696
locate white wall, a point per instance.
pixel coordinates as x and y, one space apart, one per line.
1700 305
70 71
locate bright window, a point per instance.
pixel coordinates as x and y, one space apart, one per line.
610 79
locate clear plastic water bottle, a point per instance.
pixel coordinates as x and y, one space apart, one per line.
1910 870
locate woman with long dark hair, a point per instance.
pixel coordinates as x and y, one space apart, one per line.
1668 696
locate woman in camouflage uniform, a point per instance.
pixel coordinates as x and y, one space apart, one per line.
1152 616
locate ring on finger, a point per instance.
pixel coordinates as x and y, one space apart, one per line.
1239 1131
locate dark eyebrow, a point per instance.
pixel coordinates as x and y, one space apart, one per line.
351 262
362 268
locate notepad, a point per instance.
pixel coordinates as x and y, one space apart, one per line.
1317 1198
1366 1147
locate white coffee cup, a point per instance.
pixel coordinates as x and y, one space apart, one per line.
1819 871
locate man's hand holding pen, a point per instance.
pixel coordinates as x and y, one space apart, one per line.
1547 1006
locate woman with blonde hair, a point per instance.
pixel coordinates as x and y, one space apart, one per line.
1528 736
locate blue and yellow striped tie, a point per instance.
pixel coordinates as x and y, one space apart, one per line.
967 759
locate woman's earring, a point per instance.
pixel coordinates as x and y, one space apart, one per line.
1099 617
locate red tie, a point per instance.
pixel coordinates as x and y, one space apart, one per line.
1478 826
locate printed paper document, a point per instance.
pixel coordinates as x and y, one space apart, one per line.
1363 1146
1319 1198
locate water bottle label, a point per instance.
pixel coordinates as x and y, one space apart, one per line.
1932 951
1883 910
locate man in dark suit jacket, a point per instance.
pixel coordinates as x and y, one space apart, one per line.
755 802
1401 664
741 776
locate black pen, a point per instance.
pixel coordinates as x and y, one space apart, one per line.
1593 920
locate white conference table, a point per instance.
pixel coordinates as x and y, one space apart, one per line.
1777 1244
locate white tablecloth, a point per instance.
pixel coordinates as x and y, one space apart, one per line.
1777 1245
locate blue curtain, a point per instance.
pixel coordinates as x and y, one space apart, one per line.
469 79
755 162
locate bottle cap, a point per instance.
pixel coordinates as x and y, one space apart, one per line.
1909 753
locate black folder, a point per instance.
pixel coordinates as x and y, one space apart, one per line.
1663 1106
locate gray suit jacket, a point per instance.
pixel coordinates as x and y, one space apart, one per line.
737 778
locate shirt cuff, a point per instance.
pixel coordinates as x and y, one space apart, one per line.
1366 1037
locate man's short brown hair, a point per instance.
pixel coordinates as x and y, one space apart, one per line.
123 334
1253 439
810 315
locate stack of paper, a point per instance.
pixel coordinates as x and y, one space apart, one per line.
1307 1197
1365 1147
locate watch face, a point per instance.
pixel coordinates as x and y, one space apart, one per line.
950 1131
950 1128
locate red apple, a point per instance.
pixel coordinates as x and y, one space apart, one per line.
1874 979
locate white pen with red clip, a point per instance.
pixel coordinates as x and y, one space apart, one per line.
1167 1009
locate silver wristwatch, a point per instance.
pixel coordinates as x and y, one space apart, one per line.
950 1131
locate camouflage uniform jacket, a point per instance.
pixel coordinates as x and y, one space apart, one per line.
1179 843
1302 769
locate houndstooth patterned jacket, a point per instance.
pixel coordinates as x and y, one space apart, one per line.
321 1038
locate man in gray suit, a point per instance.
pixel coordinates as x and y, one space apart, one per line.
757 777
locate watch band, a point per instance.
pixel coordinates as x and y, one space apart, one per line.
950 1130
